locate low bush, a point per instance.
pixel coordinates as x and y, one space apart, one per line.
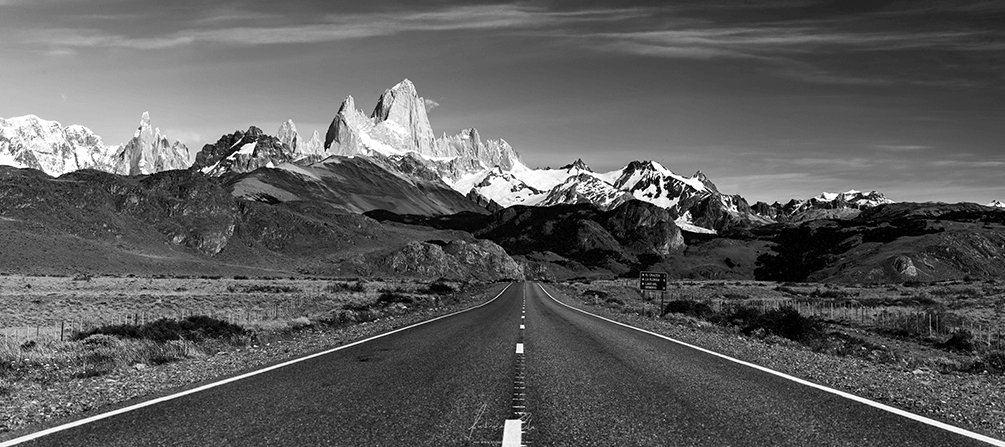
345 287
196 327
961 341
784 322
438 288
832 294
598 294
388 298
696 309
614 301
992 362
262 288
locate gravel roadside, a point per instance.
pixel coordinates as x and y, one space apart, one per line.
34 407
975 402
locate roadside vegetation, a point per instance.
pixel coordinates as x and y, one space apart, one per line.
110 326
933 349
951 327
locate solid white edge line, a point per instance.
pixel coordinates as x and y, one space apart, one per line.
158 400
512 433
887 408
519 348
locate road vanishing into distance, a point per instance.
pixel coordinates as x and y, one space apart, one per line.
579 381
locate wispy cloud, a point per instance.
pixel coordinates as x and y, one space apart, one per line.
967 164
852 162
902 147
430 104
336 27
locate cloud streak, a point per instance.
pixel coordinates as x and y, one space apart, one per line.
902 147
339 27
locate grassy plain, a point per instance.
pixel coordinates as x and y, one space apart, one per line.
47 302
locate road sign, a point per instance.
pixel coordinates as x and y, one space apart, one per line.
652 281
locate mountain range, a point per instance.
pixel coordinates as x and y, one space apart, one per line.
397 134
446 193
31 142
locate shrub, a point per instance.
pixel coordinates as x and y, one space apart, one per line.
388 298
784 322
961 340
993 362
614 301
832 294
599 294
696 309
345 287
196 327
438 288
262 288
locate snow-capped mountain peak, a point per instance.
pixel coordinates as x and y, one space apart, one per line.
996 204
578 165
399 126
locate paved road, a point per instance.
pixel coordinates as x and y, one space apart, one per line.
591 382
588 382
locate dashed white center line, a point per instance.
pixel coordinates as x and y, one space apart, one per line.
512 433
513 428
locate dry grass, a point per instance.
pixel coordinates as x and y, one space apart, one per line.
46 361
266 308
912 325
49 302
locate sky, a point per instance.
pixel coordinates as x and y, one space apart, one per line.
772 100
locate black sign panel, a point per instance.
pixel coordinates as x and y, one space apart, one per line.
652 281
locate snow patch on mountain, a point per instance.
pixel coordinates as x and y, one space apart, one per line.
585 188
996 204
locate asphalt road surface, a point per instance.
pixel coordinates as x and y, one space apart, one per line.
585 382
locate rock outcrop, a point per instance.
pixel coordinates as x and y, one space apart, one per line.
903 266
481 260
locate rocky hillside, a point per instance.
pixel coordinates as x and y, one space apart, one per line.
892 242
570 237
183 222
356 185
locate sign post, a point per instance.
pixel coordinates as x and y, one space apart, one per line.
656 281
